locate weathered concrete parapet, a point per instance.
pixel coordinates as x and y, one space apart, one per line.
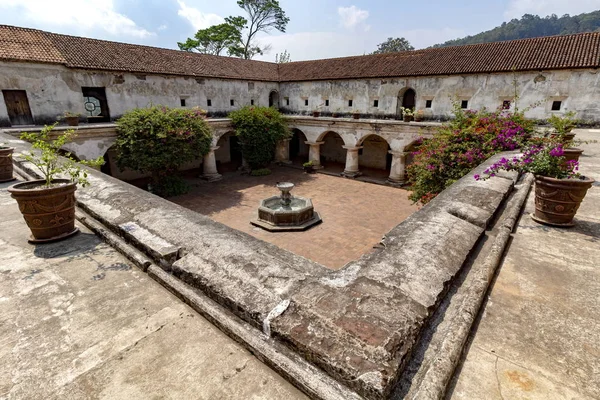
314 153
351 169
209 166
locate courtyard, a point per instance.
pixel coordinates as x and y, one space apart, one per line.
356 215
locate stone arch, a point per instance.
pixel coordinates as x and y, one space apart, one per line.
374 154
228 151
332 149
274 99
407 98
298 146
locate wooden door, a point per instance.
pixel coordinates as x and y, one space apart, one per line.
17 105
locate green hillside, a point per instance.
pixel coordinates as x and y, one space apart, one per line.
530 26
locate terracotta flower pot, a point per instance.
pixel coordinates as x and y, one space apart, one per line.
316 114
565 138
407 118
557 200
48 211
6 165
356 116
572 154
72 121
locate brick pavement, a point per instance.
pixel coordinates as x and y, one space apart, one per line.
355 214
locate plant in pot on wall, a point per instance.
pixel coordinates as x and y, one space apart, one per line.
6 165
71 118
309 167
356 114
408 114
48 204
336 113
419 115
559 187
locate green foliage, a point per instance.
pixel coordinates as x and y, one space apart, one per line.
238 34
563 124
393 45
217 38
170 185
530 26
308 164
462 144
260 172
159 140
283 57
258 129
48 158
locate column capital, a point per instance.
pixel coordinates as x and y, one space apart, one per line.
399 153
308 142
214 148
351 148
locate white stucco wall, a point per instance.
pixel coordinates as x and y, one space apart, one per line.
53 89
579 90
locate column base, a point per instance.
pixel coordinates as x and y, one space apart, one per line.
351 174
318 166
395 183
212 177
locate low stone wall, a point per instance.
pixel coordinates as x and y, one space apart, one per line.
359 324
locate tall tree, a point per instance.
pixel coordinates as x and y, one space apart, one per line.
393 45
283 57
238 34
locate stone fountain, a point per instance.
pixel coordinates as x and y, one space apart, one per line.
285 213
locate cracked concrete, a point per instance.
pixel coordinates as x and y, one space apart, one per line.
79 322
539 333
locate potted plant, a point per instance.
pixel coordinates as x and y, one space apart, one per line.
316 113
336 113
419 115
6 165
71 118
407 114
559 190
356 114
563 126
309 167
48 204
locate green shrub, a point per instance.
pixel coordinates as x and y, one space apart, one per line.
170 185
260 172
159 140
462 144
258 129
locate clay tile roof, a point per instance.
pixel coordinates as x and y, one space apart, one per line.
552 52
78 52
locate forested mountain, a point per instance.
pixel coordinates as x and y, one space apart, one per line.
533 26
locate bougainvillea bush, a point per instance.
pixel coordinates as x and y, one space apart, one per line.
462 144
258 129
159 140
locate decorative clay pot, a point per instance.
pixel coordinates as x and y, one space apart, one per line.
572 154
48 211
72 121
557 200
6 165
316 114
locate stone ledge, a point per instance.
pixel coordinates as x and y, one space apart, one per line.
360 324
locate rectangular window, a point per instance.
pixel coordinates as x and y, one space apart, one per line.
428 103
231 102
506 105
375 103
464 104
556 105
349 103
306 102
287 101
251 102
327 103
182 102
209 103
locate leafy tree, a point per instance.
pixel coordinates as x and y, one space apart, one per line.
283 57
393 45
217 38
238 34
159 140
530 26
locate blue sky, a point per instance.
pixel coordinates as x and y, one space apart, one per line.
317 28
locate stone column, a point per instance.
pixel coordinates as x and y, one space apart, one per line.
209 166
314 154
282 152
397 171
351 169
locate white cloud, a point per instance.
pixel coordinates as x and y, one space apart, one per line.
82 14
516 8
162 27
351 17
198 19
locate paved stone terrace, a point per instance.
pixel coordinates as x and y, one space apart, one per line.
539 336
356 215
77 321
